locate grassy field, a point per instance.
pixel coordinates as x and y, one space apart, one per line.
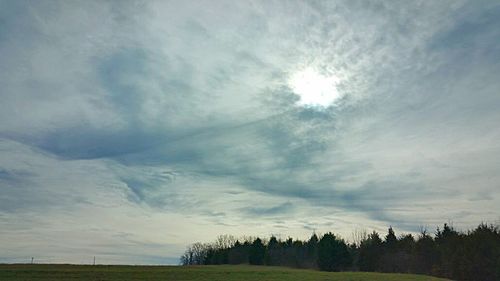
192 273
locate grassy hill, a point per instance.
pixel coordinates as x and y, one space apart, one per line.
191 273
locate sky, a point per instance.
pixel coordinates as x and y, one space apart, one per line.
130 129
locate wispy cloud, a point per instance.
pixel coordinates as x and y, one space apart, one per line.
173 122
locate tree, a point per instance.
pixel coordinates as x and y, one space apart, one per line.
391 240
238 254
257 252
482 247
195 254
332 253
426 254
450 250
390 258
312 251
273 251
370 251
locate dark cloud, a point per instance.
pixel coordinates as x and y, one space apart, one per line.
282 209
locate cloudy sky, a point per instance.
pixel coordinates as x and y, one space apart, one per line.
130 129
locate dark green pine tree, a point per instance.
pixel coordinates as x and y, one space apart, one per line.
370 252
333 254
257 252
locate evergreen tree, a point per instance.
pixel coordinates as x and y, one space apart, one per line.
391 240
332 253
370 251
257 252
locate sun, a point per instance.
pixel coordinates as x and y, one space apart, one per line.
314 89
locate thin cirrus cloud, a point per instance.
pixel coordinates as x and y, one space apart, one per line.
139 125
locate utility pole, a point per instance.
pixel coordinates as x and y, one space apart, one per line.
32 258
94 260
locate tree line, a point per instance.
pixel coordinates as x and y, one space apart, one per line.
448 253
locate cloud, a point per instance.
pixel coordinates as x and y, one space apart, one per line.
173 122
285 208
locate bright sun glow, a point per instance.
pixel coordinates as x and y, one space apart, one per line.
314 89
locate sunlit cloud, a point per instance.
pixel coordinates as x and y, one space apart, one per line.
315 89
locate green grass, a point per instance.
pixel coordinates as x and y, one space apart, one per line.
192 273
